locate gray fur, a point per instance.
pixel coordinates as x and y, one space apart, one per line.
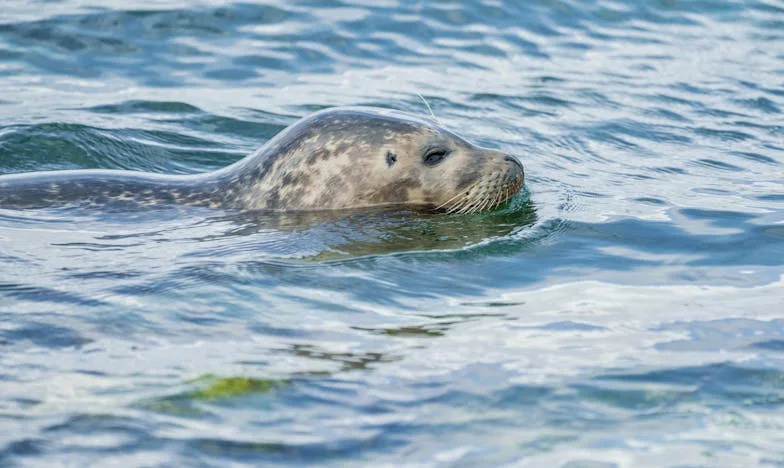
332 159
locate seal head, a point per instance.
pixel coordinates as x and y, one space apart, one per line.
365 157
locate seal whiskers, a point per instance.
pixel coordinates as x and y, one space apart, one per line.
427 104
463 193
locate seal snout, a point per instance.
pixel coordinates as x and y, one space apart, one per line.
516 170
514 161
515 175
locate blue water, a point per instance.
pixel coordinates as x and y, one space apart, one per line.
626 309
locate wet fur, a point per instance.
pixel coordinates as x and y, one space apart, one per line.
333 159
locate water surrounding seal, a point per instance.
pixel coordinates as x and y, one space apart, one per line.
338 158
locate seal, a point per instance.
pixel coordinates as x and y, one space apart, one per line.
339 158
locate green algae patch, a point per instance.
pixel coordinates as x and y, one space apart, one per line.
209 388
227 387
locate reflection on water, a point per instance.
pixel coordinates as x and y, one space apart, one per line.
389 232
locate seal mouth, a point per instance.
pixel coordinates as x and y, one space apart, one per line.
486 193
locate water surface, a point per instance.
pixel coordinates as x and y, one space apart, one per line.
626 309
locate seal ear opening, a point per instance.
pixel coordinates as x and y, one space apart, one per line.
391 158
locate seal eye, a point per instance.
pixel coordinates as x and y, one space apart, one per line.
435 156
391 158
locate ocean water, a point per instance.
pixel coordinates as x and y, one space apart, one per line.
625 310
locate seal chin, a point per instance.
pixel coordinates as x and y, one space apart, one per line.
491 190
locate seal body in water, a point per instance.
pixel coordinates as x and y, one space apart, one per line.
340 158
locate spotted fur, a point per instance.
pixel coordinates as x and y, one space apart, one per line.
333 159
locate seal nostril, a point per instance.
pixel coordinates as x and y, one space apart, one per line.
518 165
513 160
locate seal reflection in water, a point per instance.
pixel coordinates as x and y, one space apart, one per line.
339 158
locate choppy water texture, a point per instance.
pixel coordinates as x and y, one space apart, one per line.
626 310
